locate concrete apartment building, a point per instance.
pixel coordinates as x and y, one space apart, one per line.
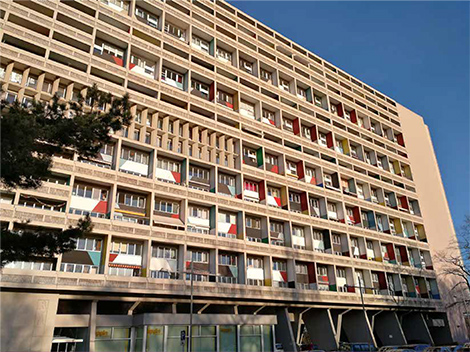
287 185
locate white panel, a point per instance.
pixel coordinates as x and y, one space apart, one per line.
299 241
83 203
255 273
223 227
135 167
163 264
251 194
198 221
164 175
272 201
277 276
128 259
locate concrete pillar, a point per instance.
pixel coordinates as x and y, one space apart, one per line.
415 328
27 321
321 328
284 332
92 326
387 329
357 328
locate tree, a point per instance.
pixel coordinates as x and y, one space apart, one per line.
30 137
455 260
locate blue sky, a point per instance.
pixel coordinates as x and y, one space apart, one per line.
415 52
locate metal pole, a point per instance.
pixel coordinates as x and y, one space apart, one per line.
191 310
365 313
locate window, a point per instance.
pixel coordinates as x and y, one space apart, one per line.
200 43
223 55
276 227
228 259
360 191
253 223
105 48
298 231
341 273
197 256
339 146
90 192
294 197
136 134
266 75
131 200
322 271
224 97
279 265
227 180
201 88
32 81
306 132
247 66
370 245
247 108
271 159
255 263
288 124
291 167
250 153
302 93
374 196
197 212
198 173
146 65
273 192
322 139
317 236
135 155
126 248
301 269
227 218
360 121
88 244
167 206
284 84
169 165
16 77
375 277
175 31
168 75
268 115
318 100
164 252
336 239
2 72
328 180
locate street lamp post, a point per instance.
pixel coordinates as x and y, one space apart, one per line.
371 342
190 334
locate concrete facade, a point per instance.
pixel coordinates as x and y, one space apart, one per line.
283 183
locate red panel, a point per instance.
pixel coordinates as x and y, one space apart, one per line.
101 207
357 215
176 176
351 289
313 133
296 126
211 92
404 203
262 190
390 251
118 61
329 140
284 275
304 201
233 229
353 116
278 201
382 281
275 169
340 109
403 254
300 170
400 140
112 256
311 273
131 66
175 216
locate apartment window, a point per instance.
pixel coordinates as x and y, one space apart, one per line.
126 248
328 180
90 192
294 197
247 108
291 167
317 236
347 115
198 173
197 212
322 139
266 75
167 206
271 159
47 86
88 244
374 196
2 72
268 115
318 100
201 88
105 48
228 259
135 155
370 245
147 137
375 277
273 192
147 66
227 180
223 55
360 191
169 165
151 20
197 256
247 66
301 269
298 231
137 134
255 263
11 97
288 124
32 82
250 186
391 167
253 223
341 273
280 266
224 97
175 31
16 77
227 218
132 200
336 239
360 122
168 75
302 93
250 153
284 84
306 132
30 265
200 43
322 271
164 252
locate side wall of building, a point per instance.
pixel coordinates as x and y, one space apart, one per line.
433 203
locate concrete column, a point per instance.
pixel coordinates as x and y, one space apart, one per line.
387 329
356 326
92 326
321 328
415 328
27 321
284 332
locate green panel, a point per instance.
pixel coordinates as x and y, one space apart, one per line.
228 338
212 190
267 338
265 240
203 344
309 94
212 217
211 47
184 166
333 287
112 345
250 343
95 257
259 157
155 339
